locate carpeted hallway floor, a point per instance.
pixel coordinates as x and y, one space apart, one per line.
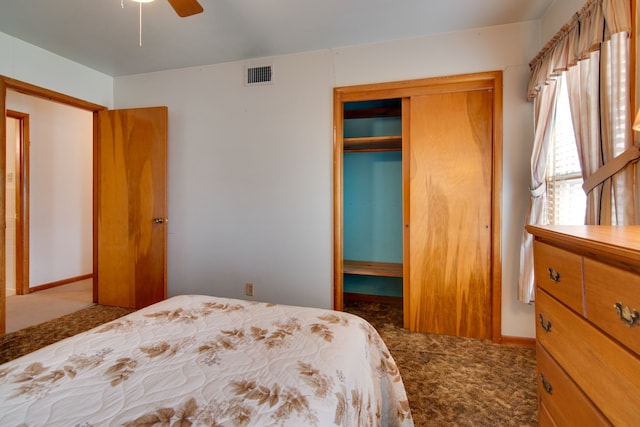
36 307
449 381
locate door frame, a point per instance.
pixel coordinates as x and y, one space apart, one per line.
7 83
22 203
404 90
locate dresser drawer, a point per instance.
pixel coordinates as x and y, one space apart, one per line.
544 418
560 273
562 399
606 372
605 287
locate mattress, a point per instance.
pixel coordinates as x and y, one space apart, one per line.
202 360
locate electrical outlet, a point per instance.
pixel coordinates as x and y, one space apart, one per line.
248 289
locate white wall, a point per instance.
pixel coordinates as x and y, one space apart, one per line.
60 189
28 63
558 14
249 178
250 186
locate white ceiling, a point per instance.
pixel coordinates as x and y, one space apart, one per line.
103 35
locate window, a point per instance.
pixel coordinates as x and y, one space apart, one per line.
566 201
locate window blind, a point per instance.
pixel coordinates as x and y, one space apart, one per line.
566 201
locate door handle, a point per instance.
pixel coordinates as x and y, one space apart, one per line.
160 220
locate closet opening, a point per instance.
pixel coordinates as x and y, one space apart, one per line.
372 200
417 186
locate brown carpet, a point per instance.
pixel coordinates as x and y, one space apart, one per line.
450 381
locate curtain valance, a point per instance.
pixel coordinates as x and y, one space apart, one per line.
584 33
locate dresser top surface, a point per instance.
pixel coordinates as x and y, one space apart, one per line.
618 242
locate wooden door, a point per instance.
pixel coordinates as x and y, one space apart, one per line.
132 206
450 213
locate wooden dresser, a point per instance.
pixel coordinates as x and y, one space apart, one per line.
588 324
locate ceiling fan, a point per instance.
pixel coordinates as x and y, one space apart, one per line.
183 8
186 8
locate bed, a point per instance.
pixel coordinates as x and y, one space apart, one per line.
202 360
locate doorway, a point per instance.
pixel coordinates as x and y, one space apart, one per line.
57 190
118 136
372 213
21 88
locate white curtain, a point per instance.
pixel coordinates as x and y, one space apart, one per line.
593 50
599 88
619 156
544 121
583 81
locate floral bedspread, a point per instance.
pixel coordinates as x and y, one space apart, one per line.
200 360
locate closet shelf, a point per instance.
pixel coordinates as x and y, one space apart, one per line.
367 113
370 268
373 143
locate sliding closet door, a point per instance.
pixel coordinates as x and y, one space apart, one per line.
450 213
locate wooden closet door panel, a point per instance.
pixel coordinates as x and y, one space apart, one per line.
450 188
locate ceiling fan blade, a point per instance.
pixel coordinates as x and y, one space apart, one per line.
186 7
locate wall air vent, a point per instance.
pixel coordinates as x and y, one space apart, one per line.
262 75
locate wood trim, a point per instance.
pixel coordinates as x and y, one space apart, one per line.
496 208
369 268
339 295
22 204
407 88
59 283
96 174
518 341
33 90
3 221
406 191
373 143
348 296
372 112
633 68
338 223
491 80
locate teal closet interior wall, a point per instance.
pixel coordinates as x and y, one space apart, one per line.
373 206
372 188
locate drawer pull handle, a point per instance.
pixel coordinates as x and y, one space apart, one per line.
628 316
553 275
546 384
546 324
